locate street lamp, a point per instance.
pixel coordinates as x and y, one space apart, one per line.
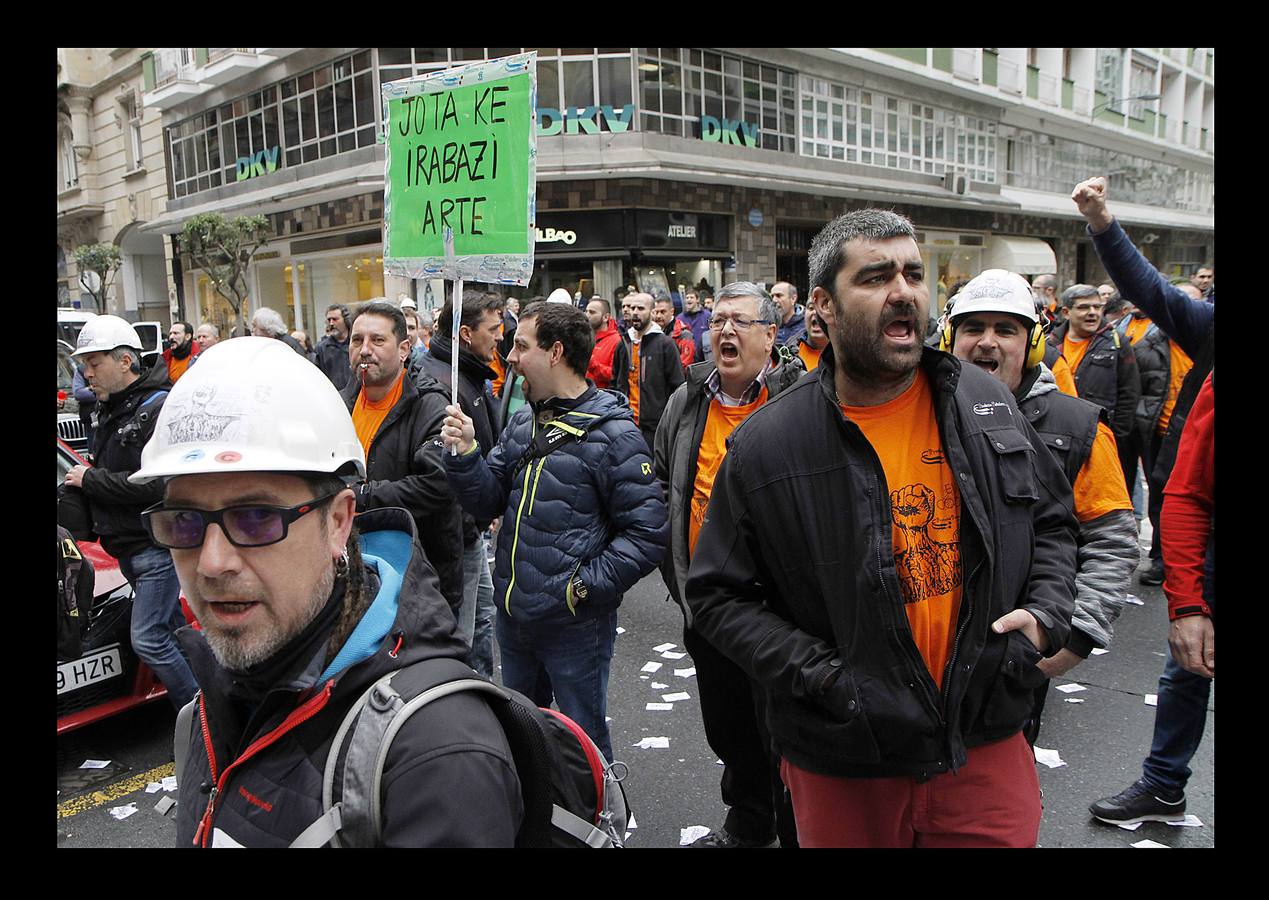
1110 103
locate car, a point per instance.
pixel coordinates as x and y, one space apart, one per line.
70 426
107 678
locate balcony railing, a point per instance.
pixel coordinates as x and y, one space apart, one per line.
170 64
1081 101
965 63
1047 90
1009 75
215 53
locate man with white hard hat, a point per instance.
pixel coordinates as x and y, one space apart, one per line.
128 405
995 326
301 611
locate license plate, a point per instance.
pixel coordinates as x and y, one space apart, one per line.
101 665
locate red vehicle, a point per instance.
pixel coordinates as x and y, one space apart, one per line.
108 678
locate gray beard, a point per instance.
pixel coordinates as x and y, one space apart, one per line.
232 653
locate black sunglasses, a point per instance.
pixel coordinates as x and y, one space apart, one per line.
184 528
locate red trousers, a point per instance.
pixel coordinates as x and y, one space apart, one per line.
993 801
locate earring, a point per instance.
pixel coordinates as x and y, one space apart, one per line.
341 564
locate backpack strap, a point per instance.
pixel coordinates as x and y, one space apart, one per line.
374 720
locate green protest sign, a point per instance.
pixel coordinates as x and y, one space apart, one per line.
462 157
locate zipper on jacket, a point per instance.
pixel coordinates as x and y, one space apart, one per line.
298 716
515 543
537 475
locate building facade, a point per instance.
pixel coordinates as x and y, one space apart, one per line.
111 181
668 168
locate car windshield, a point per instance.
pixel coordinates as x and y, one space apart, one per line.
64 464
65 371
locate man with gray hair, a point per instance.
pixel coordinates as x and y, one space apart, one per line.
268 323
887 555
207 335
1045 289
691 441
1104 365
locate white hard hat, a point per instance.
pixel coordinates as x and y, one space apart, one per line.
102 334
252 405
995 290
559 295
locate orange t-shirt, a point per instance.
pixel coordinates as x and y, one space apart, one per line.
1073 351
810 356
925 513
1099 485
1136 329
1180 367
719 424
176 367
367 416
1062 375
500 372
634 381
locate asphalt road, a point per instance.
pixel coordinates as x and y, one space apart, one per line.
1102 741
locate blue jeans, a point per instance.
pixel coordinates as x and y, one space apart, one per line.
568 661
476 615
156 614
1178 727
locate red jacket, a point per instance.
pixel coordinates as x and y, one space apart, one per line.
195 349
686 342
1186 525
600 370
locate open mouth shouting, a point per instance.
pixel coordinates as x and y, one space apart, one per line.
988 364
728 350
901 328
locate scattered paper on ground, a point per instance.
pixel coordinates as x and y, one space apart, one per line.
1151 845
1152 699
1071 688
651 666
719 762
1190 821
169 783
122 812
1049 758
692 833
1098 651
164 804
670 654
1074 699
685 673
632 824
1135 601
95 764
673 698
659 706
153 787
620 630
1133 827
658 686
653 743
663 647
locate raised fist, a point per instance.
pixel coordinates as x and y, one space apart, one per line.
912 506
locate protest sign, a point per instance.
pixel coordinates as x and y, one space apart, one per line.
461 156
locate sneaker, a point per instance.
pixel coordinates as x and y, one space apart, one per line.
1138 803
722 838
1153 575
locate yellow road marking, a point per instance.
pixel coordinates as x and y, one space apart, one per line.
115 791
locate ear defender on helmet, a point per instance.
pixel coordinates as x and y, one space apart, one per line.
1036 345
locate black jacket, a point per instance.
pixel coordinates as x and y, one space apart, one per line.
1107 375
676 451
474 397
1154 363
794 577
333 360
449 780
660 373
123 423
403 468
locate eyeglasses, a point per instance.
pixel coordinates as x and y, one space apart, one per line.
1088 307
182 528
717 323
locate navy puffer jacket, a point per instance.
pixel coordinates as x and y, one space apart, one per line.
592 506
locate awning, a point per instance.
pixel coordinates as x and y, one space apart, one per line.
1024 255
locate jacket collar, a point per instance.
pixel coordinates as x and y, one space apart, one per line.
468 364
943 369
714 387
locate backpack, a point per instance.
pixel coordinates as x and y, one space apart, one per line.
74 597
572 798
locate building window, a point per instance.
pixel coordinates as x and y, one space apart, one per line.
331 109
68 166
852 125
130 118
1109 74
677 86
1042 162
1140 81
